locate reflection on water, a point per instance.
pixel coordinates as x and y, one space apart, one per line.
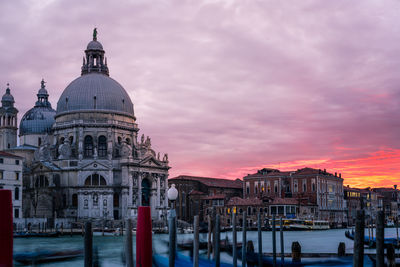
110 248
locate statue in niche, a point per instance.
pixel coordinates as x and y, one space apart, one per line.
64 150
142 139
158 156
85 203
95 199
44 152
126 150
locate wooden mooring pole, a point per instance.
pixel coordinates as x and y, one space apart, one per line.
209 237
260 263
217 240
234 239
358 256
196 242
282 243
380 239
273 241
128 244
88 245
244 240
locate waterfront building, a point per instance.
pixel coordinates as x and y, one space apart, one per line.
11 179
85 160
318 194
391 202
356 199
198 195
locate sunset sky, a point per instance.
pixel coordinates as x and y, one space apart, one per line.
229 87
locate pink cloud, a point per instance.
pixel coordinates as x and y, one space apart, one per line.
225 85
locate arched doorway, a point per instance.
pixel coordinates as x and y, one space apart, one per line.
146 186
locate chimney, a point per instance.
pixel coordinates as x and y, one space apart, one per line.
324 171
340 175
335 174
395 186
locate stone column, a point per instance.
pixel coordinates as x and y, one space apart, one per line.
139 194
130 188
80 144
158 203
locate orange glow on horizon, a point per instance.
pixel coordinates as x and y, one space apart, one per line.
378 169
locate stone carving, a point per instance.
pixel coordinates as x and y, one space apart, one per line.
126 150
64 150
158 156
165 158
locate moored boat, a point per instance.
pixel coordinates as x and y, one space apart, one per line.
46 256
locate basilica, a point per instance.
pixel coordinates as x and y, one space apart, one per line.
86 159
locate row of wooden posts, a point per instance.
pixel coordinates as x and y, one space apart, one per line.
358 256
213 246
213 242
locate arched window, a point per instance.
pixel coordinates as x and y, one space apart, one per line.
95 180
41 181
146 186
102 146
74 200
16 193
116 200
119 140
88 146
128 141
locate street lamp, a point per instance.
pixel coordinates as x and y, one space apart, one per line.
172 196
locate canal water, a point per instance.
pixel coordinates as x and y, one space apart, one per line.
110 248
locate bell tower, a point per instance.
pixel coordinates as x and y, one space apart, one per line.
8 121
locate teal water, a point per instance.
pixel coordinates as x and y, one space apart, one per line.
110 248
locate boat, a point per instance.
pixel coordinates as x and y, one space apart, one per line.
184 261
30 234
310 225
252 259
371 242
46 256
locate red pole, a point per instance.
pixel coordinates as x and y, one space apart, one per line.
143 238
6 229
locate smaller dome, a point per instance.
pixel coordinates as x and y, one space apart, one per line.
38 120
94 45
7 97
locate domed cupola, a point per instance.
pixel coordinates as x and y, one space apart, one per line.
40 118
95 60
94 90
7 100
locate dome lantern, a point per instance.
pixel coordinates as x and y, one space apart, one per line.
94 60
7 100
43 96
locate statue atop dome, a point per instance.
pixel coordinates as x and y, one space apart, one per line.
95 34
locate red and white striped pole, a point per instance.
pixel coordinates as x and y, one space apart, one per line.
6 229
144 249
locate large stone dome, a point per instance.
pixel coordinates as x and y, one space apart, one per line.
95 92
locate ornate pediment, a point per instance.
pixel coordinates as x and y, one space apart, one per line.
44 166
95 165
150 161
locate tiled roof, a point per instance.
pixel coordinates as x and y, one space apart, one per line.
219 196
276 173
9 155
237 201
195 192
284 201
211 182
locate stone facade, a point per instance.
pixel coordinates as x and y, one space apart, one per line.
90 164
318 194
